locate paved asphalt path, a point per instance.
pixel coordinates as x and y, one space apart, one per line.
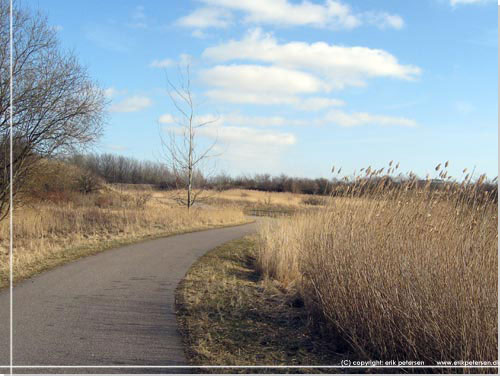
113 308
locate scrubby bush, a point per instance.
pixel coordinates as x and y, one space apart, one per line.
87 183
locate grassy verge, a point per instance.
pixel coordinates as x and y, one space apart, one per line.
41 255
230 316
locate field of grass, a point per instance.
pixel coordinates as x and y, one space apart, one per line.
64 227
399 273
248 199
229 315
378 271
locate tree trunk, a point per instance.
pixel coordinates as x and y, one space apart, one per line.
190 182
190 163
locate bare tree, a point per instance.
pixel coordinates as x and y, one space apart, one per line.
57 108
182 153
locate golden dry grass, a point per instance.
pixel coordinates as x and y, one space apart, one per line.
47 234
228 315
245 198
263 198
403 273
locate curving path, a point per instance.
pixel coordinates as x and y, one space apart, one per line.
113 308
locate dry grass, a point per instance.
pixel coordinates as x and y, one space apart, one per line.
284 199
245 198
230 316
399 273
50 233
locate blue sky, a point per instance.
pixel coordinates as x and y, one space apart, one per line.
298 86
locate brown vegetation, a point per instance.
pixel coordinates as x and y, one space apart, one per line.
58 221
257 199
399 272
230 316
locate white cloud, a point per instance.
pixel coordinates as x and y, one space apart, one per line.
258 121
185 59
166 119
345 119
318 103
206 17
282 12
241 97
333 117
111 92
131 104
341 66
246 97
235 120
242 147
182 61
298 68
384 20
331 14
248 149
464 2
253 143
238 128
245 135
256 79
161 63
253 121
199 34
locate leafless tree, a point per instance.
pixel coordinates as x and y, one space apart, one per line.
182 153
57 108
119 169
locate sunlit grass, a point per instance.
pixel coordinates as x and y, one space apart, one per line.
400 271
51 232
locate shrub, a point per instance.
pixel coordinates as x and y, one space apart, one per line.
87 183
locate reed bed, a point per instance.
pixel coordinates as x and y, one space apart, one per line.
403 271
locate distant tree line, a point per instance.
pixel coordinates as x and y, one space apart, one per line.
363 186
125 170
268 183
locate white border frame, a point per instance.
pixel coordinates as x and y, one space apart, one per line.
11 284
11 200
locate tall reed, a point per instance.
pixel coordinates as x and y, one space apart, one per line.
402 270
